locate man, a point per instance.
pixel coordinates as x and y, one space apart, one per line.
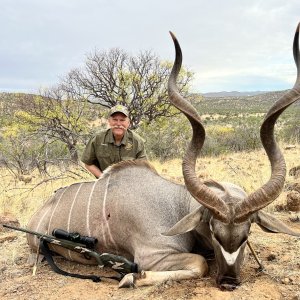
114 144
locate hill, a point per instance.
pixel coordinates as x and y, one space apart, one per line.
258 103
222 101
232 94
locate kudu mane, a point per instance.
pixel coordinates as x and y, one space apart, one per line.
210 183
140 163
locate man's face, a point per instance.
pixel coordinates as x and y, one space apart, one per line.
119 123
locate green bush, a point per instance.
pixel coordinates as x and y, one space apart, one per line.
167 138
290 133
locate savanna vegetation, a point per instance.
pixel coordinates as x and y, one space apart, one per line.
41 140
42 136
38 131
279 253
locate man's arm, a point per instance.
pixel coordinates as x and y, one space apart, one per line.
141 154
94 170
89 158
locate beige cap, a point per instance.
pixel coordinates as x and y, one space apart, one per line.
119 108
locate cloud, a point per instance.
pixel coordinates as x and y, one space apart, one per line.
221 40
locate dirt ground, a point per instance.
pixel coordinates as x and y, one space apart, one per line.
279 253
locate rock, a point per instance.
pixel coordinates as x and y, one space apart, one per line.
3 268
8 237
293 201
286 280
293 279
25 178
295 172
294 187
280 207
8 219
271 257
289 147
295 219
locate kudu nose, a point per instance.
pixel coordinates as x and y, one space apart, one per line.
227 282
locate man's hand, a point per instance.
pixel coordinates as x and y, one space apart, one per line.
94 170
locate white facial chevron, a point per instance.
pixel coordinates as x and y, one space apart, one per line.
230 257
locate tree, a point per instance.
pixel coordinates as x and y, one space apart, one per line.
140 83
22 152
56 115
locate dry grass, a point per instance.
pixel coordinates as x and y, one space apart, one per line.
249 170
281 280
23 199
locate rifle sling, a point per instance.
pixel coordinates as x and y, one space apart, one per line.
44 248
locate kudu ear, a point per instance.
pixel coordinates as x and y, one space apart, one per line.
186 224
269 223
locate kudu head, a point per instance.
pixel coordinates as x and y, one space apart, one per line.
227 209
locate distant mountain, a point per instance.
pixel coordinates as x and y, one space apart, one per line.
232 94
259 103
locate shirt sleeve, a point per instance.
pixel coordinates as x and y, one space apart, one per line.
89 154
141 152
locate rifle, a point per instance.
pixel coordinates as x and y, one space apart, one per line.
82 245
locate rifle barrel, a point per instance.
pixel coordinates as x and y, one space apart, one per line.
23 230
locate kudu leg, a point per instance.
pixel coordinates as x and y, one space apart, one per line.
179 266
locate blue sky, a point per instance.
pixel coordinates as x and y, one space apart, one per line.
230 45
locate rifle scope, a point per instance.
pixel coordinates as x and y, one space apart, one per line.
88 241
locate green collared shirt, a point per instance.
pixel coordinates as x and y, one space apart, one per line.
102 151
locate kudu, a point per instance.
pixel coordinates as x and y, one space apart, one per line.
165 227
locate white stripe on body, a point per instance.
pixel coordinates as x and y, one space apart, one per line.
49 225
88 210
104 218
69 219
40 222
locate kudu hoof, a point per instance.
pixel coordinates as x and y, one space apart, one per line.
128 281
